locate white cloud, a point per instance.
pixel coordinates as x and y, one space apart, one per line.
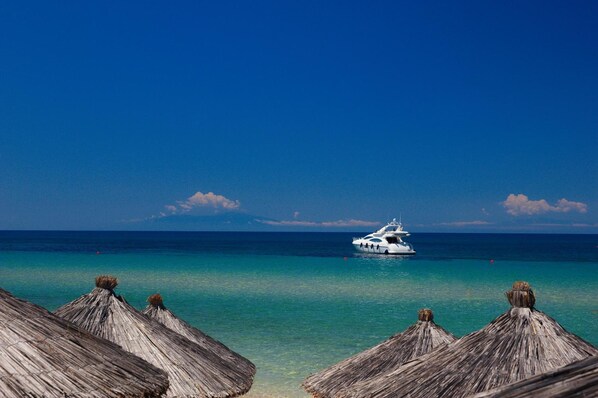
517 205
201 200
574 225
332 224
350 223
566 206
210 199
582 225
464 223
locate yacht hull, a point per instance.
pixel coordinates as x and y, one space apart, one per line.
392 249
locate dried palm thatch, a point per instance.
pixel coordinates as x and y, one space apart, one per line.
192 370
519 344
521 295
579 379
106 282
42 355
420 338
156 310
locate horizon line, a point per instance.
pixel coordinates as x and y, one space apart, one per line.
290 231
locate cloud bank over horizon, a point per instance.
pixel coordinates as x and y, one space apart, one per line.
211 210
521 205
474 223
327 224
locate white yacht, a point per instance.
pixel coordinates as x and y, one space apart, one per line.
386 240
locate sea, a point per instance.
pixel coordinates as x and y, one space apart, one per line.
296 303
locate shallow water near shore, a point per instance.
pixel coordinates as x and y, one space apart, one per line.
296 303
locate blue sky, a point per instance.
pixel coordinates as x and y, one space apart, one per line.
306 114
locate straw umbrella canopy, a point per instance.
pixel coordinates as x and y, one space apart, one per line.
520 343
42 355
579 379
418 339
192 370
156 310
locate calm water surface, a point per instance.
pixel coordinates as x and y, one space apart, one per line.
294 303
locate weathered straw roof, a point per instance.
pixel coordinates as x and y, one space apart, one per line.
156 310
579 379
418 339
42 355
520 343
192 370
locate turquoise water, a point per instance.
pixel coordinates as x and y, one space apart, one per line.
295 314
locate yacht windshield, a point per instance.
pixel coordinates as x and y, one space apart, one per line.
392 239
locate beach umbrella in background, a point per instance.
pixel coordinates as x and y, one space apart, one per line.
156 310
42 355
418 339
520 343
192 370
579 379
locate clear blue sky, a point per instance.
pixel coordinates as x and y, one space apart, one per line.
305 113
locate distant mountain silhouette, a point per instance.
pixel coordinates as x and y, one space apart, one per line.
229 221
232 221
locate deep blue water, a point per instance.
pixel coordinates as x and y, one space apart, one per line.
527 247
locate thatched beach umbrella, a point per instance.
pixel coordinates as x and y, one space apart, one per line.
579 379
42 355
192 370
519 344
156 310
418 339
